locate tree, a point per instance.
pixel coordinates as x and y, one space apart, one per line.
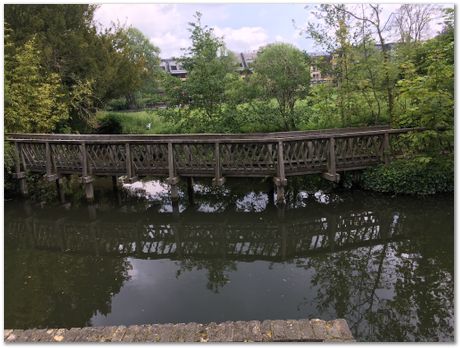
283 72
93 66
142 65
67 46
207 62
34 99
412 21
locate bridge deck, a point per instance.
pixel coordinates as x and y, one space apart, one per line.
278 155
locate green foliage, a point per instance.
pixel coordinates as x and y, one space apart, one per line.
283 72
208 63
34 100
91 66
416 176
138 61
425 96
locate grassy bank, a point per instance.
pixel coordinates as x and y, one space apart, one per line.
127 122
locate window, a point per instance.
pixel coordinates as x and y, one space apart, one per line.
173 67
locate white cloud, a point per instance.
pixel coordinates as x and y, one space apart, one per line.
170 44
162 23
244 38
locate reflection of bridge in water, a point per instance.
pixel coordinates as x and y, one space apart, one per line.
239 236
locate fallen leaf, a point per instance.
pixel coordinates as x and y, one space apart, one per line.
58 338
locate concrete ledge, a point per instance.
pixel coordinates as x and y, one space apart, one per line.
314 330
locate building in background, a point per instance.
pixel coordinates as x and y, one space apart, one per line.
245 61
317 75
173 67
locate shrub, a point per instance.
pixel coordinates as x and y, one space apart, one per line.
109 124
416 176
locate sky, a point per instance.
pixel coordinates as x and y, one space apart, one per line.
244 27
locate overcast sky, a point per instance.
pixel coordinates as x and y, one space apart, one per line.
245 27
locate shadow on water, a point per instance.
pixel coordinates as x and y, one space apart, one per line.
383 263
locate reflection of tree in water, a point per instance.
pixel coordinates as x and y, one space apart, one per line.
398 291
57 290
422 308
216 271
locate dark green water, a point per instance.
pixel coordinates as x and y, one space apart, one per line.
385 264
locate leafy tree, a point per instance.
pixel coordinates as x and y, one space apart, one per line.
141 64
207 62
93 66
283 72
334 34
34 100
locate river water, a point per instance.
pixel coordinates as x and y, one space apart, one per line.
385 264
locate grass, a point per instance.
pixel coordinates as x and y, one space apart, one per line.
135 122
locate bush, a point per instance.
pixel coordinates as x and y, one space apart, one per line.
109 124
416 176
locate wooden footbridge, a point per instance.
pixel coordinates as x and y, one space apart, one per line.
276 155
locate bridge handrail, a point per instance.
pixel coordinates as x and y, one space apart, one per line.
204 137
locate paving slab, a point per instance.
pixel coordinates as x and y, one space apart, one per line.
230 331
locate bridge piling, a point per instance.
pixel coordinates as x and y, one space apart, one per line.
190 192
386 148
20 174
173 179
60 190
218 180
86 179
280 181
331 173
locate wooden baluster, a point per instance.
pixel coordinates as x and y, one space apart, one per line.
86 179
173 179
20 174
218 180
331 174
280 180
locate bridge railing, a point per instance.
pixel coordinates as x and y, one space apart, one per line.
278 155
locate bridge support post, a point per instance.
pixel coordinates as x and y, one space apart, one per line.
190 193
20 174
173 179
386 148
280 180
271 193
114 183
86 179
331 173
60 190
129 165
218 180
52 175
